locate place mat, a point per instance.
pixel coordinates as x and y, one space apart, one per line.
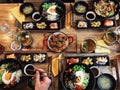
71 48
17 14
112 69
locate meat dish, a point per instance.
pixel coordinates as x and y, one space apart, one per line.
106 8
57 42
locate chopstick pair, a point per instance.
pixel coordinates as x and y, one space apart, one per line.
41 76
34 74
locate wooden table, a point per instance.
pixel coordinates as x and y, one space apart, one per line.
81 34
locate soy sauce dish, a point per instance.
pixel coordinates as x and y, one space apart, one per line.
106 82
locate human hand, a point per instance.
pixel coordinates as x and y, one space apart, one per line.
44 83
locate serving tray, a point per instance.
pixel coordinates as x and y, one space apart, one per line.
111 68
76 18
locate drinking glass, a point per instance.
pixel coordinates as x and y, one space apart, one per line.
88 45
4 26
111 36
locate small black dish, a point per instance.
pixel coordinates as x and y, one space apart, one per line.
102 8
80 24
24 58
81 6
28 25
102 60
72 60
106 82
27 9
87 60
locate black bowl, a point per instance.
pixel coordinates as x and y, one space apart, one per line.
25 7
70 76
60 9
13 65
80 4
109 82
101 15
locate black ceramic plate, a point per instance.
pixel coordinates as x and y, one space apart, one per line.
113 3
39 57
24 58
12 66
88 60
54 25
80 24
72 60
27 9
102 60
70 76
52 10
28 25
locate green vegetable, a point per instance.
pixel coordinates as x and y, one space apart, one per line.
45 6
79 68
1 77
111 13
85 82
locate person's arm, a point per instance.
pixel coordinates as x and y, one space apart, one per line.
44 83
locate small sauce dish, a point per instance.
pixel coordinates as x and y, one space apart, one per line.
36 16
90 15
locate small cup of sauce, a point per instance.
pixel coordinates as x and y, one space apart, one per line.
90 15
36 16
29 70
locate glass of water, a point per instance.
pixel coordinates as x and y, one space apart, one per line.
111 36
4 26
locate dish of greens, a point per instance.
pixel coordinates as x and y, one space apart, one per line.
77 77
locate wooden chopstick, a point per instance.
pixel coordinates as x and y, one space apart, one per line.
34 75
34 71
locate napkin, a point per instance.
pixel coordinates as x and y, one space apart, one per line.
55 65
17 14
101 49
